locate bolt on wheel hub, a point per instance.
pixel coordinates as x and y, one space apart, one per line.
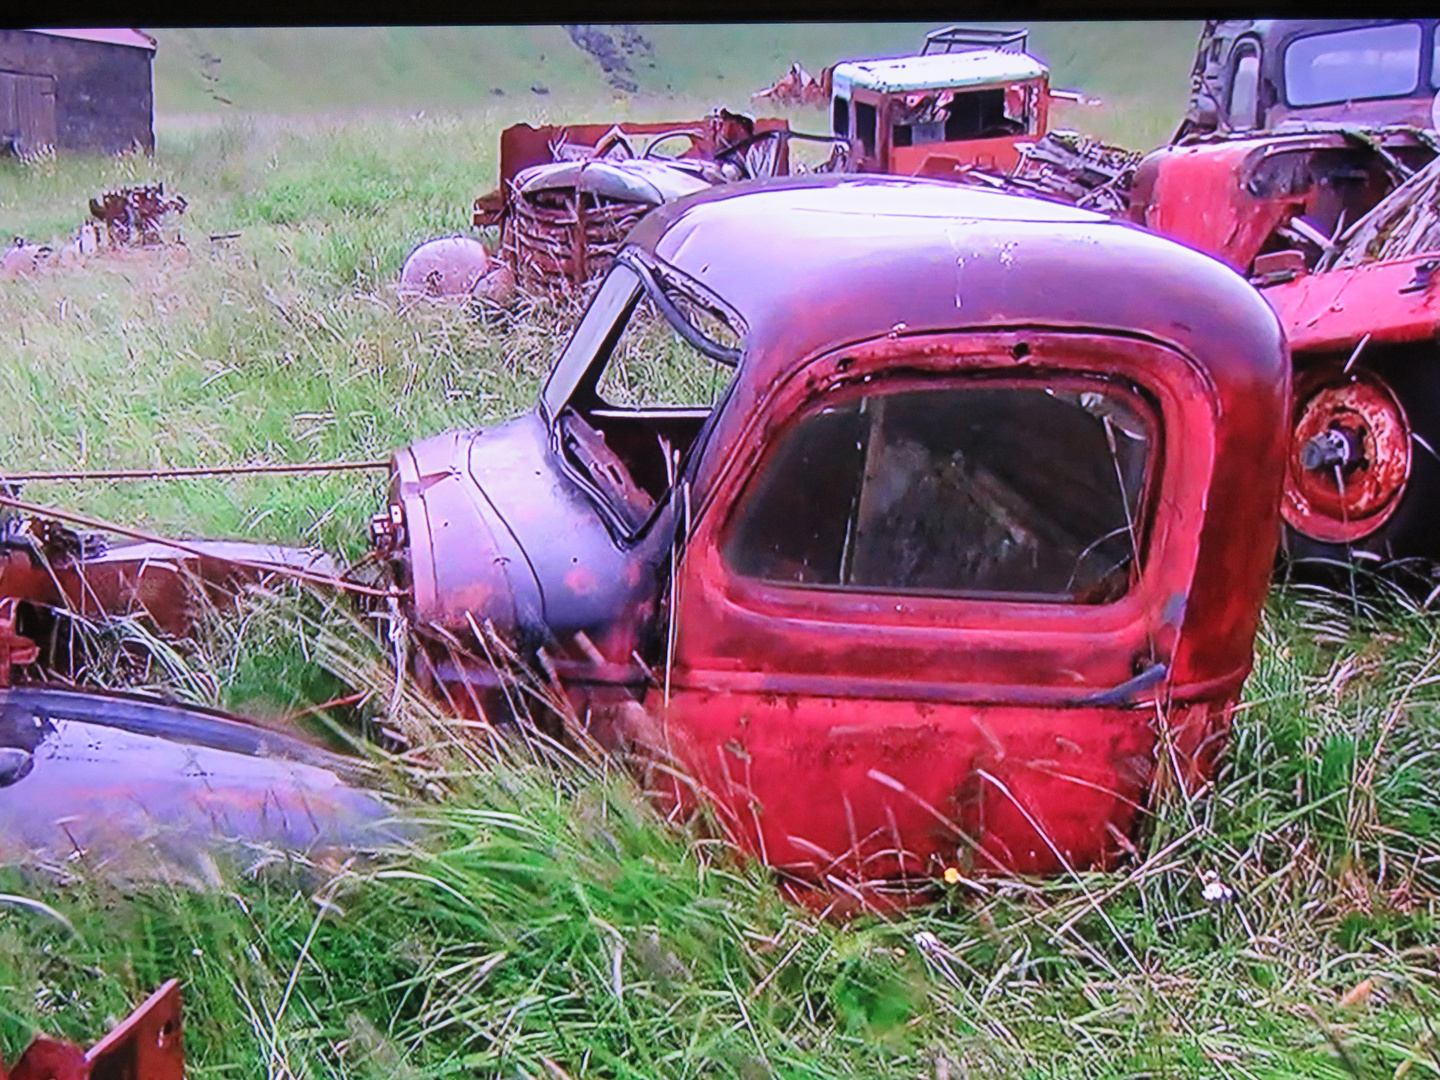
1349 456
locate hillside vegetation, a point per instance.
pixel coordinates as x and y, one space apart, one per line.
1139 70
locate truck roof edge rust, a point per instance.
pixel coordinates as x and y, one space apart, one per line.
1010 586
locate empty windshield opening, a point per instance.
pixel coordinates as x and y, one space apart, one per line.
1353 65
657 367
840 117
934 116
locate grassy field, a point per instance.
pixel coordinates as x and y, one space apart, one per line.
554 926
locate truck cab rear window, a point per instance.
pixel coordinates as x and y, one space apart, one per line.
1021 492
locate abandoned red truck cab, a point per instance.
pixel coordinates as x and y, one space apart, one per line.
932 114
947 545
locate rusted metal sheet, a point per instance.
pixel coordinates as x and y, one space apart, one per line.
149 1044
1389 301
129 784
51 574
1007 720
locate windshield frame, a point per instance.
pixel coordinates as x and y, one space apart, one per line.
585 356
595 336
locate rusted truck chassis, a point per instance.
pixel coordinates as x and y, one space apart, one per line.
568 195
122 781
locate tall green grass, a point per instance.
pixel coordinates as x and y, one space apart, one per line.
552 925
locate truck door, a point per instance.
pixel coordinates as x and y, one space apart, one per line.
923 618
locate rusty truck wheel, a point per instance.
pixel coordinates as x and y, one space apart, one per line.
1361 483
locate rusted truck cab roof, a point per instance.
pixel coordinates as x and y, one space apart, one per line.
812 263
937 71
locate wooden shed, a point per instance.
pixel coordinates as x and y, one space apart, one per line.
76 91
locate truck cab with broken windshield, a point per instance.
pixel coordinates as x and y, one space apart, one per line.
927 550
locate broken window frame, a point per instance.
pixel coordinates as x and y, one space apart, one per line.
932 110
1140 515
571 400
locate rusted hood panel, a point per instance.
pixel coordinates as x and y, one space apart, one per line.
1332 311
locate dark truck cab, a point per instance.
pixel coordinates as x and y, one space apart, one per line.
938 556
1256 74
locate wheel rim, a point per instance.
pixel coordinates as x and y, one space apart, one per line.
1349 456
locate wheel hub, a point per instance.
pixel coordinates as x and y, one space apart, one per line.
1349 457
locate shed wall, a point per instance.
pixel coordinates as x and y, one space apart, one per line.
79 96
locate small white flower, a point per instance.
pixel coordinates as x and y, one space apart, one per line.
1215 891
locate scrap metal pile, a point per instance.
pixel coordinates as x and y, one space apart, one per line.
134 215
138 785
569 195
1077 169
797 87
1403 224
124 219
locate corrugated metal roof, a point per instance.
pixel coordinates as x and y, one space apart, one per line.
938 71
105 35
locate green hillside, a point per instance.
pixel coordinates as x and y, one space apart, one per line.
1139 70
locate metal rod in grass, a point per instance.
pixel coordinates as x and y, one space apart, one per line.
38 510
177 473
